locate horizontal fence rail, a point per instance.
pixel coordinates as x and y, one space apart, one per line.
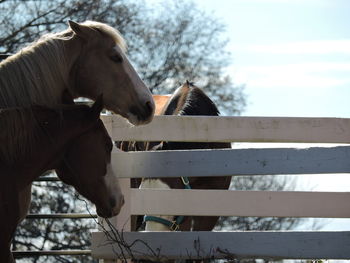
240 203
228 162
62 216
48 179
227 245
32 253
232 129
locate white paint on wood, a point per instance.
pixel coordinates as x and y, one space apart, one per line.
302 245
108 122
240 203
235 129
156 184
227 162
123 219
231 245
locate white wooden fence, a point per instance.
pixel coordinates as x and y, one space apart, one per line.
265 244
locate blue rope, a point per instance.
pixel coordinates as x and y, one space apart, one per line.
173 225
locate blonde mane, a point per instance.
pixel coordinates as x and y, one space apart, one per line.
19 134
37 74
33 74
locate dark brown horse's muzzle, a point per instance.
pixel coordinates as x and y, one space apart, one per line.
113 209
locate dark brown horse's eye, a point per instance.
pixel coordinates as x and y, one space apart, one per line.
117 58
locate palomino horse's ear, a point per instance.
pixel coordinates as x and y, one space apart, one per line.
67 97
97 107
80 30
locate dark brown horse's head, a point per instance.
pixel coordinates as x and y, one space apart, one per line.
86 164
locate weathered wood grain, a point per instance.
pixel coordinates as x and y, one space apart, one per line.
268 245
234 129
228 162
240 203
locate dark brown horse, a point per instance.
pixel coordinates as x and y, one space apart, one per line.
70 139
187 100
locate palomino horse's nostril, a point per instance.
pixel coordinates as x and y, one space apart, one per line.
149 107
144 113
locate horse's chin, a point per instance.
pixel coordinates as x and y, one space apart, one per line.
136 116
135 120
107 213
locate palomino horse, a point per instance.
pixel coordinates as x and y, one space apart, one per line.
187 100
70 139
88 59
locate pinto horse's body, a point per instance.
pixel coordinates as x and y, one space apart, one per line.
187 100
70 139
87 59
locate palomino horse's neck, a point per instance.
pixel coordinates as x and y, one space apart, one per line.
73 51
39 73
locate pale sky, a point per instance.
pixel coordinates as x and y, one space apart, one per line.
294 57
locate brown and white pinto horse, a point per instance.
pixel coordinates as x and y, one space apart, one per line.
187 100
70 139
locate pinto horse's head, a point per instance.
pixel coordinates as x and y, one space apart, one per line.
187 100
103 68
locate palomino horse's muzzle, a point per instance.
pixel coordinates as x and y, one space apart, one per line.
142 114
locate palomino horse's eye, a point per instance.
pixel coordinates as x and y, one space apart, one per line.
117 58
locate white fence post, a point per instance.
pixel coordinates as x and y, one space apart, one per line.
122 221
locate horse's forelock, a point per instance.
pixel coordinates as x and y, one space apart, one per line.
109 31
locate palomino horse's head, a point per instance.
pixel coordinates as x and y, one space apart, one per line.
87 166
103 68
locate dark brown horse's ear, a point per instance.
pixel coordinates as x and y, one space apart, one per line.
97 107
67 97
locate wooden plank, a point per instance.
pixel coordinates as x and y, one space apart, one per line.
107 121
61 252
123 219
235 129
229 245
228 162
240 203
